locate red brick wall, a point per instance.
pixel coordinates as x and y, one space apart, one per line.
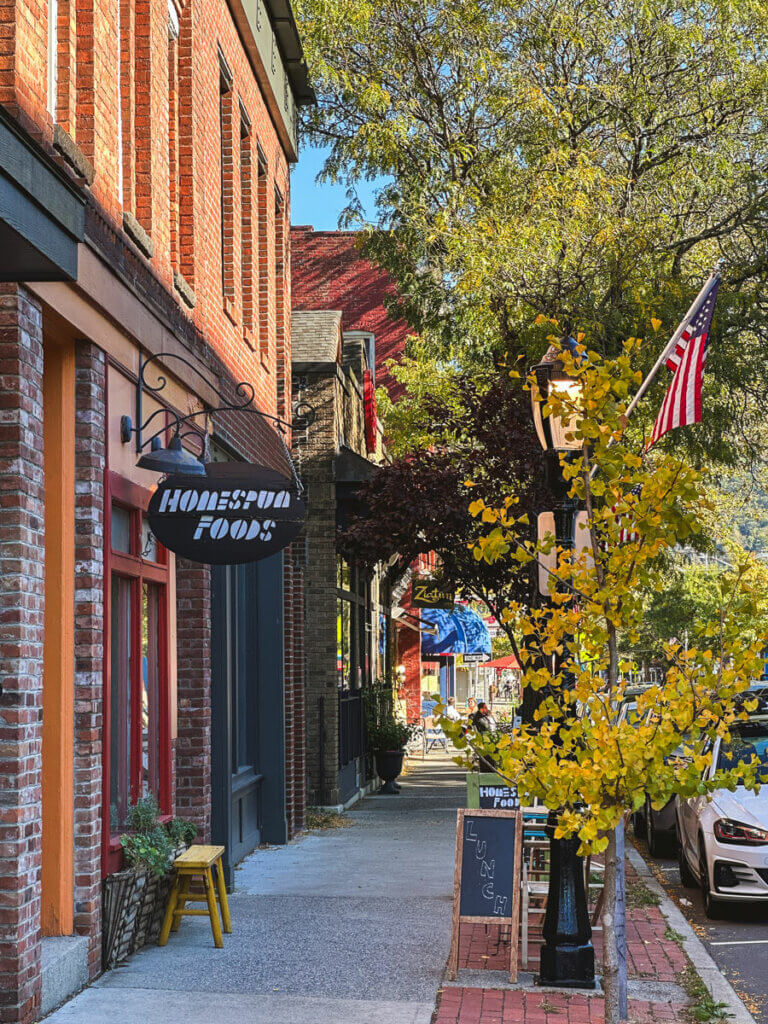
89 99
193 674
295 701
21 649
249 341
329 273
90 458
409 655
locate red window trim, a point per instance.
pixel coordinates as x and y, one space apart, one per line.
136 499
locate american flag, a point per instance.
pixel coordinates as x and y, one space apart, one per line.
627 535
682 403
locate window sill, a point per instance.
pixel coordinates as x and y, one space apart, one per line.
64 144
183 288
138 235
230 309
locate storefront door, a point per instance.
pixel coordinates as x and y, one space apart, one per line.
235 698
247 742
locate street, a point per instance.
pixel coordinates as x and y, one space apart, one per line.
738 943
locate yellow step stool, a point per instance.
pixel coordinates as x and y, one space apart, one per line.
197 863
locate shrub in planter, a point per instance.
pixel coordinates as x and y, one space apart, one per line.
390 734
135 899
387 739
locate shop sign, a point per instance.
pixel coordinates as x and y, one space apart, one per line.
499 796
429 593
237 513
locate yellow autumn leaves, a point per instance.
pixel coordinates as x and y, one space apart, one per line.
583 753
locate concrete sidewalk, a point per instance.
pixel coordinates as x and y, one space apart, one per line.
342 927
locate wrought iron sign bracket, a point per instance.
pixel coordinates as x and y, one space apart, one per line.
244 392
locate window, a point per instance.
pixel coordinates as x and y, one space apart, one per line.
247 282
280 271
134 111
263 258
137 740
173 130
53 55
354 633
142 124
125 109
226 129
186 167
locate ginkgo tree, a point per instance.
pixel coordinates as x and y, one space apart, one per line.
581 756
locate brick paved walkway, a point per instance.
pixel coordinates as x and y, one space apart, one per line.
651 955
486 1006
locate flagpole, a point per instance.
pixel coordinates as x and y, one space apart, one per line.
673 340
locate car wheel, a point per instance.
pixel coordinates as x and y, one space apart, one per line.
711 905
651 836
686 875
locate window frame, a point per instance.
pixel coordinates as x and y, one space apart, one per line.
355 592
138 570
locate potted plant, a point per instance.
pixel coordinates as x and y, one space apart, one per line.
388 740
135 898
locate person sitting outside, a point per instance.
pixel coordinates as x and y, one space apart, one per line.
451 711
484 722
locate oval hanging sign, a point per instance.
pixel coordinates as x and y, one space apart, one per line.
237 513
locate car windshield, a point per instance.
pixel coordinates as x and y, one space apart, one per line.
747 739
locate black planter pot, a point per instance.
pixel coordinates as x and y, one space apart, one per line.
389 764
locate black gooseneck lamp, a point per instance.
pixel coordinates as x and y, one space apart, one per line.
567 955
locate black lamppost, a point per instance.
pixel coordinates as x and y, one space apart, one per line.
567 956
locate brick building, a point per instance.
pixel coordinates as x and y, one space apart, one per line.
144 210
329 272
347 610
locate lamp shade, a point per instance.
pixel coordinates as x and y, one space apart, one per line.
173 459
553 431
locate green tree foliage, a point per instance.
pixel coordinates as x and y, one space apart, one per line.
583 159
687 596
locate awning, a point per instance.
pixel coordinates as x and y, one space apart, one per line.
508 661
460 631
349 471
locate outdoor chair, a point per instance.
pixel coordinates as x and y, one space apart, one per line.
433 734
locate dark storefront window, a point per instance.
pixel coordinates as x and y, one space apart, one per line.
137 754
353 626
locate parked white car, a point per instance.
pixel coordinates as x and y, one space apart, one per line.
723 838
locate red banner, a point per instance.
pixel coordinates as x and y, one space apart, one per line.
371 419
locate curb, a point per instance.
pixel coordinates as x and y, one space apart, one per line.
719 988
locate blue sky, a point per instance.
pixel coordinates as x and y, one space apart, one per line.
321 205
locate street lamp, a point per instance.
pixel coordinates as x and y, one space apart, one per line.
567 956
555 432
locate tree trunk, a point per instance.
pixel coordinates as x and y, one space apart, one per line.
614 931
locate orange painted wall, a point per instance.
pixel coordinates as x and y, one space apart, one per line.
59 655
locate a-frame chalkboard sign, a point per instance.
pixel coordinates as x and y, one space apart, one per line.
487 878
